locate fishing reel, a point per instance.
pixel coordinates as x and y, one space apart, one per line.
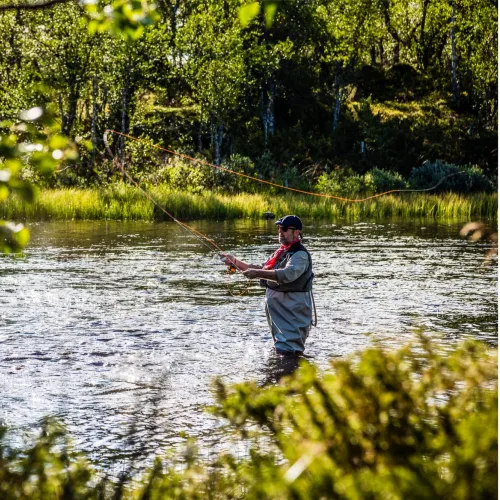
230 267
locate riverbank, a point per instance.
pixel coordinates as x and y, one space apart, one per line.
124 202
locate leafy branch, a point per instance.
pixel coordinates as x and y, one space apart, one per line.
33 6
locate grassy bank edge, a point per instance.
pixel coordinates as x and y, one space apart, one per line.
124 202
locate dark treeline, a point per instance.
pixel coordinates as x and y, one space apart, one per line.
346 85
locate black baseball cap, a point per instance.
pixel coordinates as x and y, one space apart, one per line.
289 221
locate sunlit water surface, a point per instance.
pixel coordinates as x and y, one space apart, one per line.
118 329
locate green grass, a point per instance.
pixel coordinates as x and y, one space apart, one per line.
124 202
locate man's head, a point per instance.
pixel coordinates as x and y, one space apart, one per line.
290 227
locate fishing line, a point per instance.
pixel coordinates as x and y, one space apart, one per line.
205 240
269 183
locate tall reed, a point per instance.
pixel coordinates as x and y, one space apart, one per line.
125 202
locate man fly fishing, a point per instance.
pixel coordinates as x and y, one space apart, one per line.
287 276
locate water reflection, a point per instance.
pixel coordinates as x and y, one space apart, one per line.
119 328
279 366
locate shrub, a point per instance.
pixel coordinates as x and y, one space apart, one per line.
184 175
340 182
344 182
234 183
266 166
415 423
293 177
329 183
48 469
408 424
143 160
455 178
384 180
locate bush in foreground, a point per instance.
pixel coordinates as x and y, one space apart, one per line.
408 424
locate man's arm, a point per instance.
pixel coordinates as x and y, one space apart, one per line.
264 274
229 259
297 265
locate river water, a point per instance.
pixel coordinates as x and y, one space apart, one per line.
118 329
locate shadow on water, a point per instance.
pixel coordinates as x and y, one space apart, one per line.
146 422
278 366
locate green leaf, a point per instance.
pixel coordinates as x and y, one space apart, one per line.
14 166
8 146
93 27
44 163
58 142
269 13
72 153
13 237
88 144
4 192
248 12
26 190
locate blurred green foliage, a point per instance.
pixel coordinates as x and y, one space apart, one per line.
124 18
385 180
408 424
419 422
35 142
251 10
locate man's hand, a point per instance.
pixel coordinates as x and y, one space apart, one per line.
265 274
227 258
251 273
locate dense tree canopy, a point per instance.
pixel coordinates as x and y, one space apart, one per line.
327 84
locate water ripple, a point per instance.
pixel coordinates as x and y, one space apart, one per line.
119 328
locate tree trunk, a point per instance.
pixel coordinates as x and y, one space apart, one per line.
124 122
173 27
270 108
217 130
68 118
386 6
267 105
337 106
219 137
395 54
422 49
200 142
61 105
381 52
263 115
94 122
124 110
455 86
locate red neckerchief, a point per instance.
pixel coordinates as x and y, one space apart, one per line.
270 263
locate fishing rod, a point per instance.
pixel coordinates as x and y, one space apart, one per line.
205 240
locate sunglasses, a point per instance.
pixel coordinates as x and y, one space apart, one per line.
286 228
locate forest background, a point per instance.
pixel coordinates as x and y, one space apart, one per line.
344 97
